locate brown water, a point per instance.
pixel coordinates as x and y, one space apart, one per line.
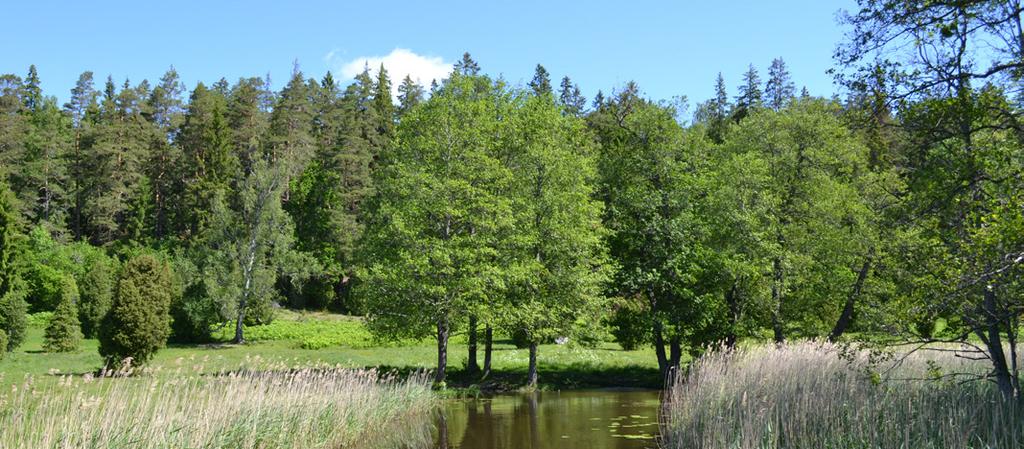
550 420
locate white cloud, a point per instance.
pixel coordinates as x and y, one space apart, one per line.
399 63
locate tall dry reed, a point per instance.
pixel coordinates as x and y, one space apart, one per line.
322 407
816 396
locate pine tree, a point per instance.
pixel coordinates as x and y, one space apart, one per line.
541 82
83 110
14 128
116 161
167 113
248 121
571 98
779 89
64 333
290 140
409 95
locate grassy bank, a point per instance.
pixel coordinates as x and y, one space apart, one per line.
305 338
272 408
808 396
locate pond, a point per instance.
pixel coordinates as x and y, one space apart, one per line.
549 420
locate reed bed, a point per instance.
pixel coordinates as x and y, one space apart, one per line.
816 396
279 407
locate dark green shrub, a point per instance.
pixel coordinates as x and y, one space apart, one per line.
3 343
194 315
259 311
44 287
630 323
64 333
139 320
96 287
13 318
520 338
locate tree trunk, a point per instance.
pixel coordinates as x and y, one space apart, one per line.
659 349
533 402
675 357
471 365
732 301
993 341
442 432
777 280
488 345
442 352
847 315
238 326
531 374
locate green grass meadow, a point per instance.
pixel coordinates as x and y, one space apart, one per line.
300 339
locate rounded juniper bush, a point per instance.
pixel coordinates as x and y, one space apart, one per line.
13 319
139 320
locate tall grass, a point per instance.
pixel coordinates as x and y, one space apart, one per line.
807 395
321 407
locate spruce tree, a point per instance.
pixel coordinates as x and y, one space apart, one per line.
207 163
541 82
327 115
598 100
45 175
64 333
749 97
409 95
33 91
13 308
718 111
467 66
382 104
779 88
571 98
139 321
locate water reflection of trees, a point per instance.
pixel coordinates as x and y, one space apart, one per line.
532 421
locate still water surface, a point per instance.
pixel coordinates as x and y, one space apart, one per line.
550 420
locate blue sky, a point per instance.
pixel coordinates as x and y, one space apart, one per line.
669 47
